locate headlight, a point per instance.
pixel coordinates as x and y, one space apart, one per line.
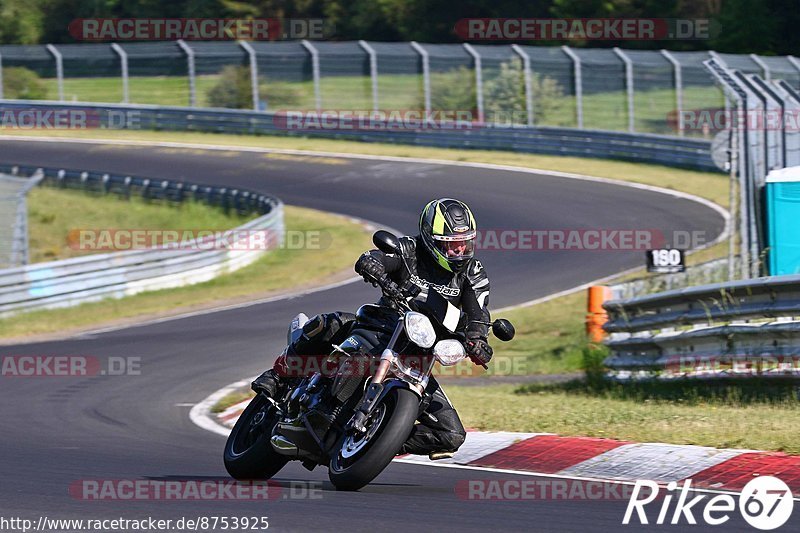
420 330
449 352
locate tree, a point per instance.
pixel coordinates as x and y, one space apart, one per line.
20 22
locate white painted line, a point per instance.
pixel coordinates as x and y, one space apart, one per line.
201 413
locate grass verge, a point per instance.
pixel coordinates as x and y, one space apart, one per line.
278 270
230 399
754 415
53 213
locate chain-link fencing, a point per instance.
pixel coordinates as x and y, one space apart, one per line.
611 89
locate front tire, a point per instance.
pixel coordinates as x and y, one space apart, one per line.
359 461
248 452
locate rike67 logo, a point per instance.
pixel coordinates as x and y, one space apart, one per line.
766 503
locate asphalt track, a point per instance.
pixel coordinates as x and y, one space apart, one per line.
57 431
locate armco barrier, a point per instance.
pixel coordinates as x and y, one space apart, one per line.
637 147
734 329
114 275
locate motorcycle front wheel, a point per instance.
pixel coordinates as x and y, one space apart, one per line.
361 458
248 452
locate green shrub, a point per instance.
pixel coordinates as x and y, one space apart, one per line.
503 95
20 83
233 90
453 90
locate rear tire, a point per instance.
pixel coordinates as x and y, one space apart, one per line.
366 460
248 452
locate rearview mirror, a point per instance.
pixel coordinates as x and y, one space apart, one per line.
386 242
503 329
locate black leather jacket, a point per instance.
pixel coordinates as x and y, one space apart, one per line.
467 289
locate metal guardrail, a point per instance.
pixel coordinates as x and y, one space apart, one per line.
639 147
740 328
241 200
714 271
114 275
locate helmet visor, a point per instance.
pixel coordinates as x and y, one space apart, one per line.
456 247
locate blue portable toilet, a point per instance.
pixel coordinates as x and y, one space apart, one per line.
783 221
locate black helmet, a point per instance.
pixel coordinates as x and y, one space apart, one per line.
448 230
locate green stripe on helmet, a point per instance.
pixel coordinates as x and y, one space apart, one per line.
438 221
442 260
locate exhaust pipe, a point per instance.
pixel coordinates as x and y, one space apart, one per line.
284 446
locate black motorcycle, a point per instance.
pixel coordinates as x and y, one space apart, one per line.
356 417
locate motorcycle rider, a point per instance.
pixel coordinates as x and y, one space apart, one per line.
440 258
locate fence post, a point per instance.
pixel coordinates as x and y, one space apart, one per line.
251 54
794 61
59 70
315 73
678 74
373 72
476 57
123 61
732 196
526 66
628 86
578 84
1 76
20 251
764 67
426 74
190 62
596 316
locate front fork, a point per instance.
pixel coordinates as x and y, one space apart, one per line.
375 388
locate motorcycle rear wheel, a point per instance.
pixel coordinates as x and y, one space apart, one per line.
359 460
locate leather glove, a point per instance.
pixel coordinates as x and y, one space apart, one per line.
479 350
369 268
390 287
410 289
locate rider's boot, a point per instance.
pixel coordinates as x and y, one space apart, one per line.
435 456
